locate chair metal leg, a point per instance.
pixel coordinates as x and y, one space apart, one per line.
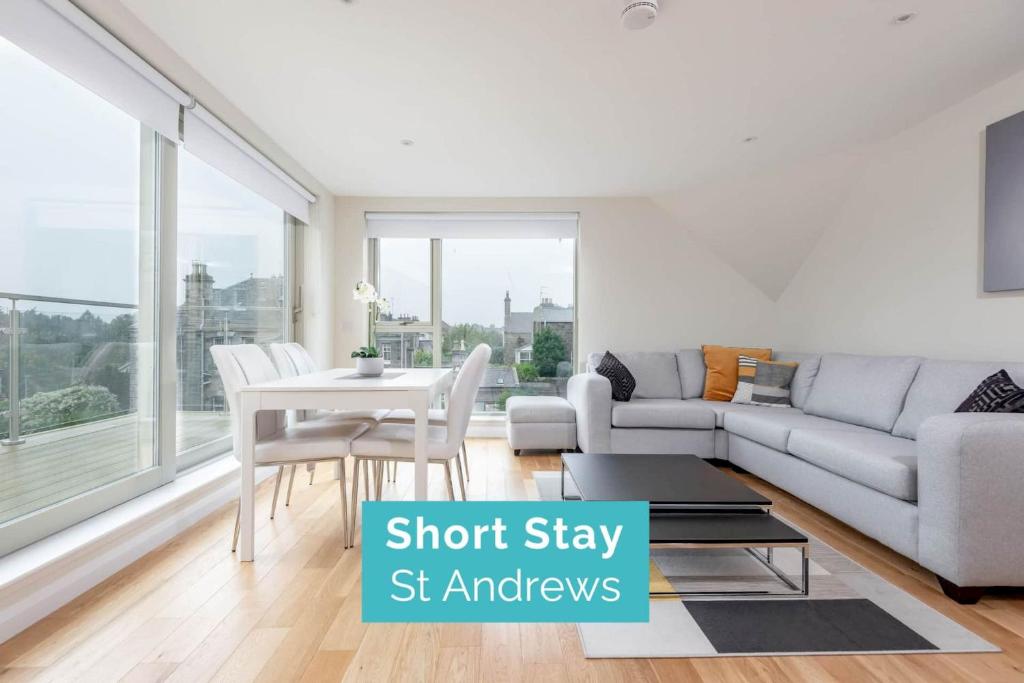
378 475
291 480
448 479
465 458
366 478
354 502
376 478
238 522
462 482
277 490
312 473
344 502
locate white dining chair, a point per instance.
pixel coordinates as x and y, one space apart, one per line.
292 359
276 442
436 417
393 441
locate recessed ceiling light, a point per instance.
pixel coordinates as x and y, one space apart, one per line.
903 18
406 142
750 138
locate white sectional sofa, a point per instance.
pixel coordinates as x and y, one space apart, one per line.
872 440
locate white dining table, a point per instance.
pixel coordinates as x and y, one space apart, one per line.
336 389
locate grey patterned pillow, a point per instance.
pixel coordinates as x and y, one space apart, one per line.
764 382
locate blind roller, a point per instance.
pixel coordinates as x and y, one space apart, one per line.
473 225
61 35
216 144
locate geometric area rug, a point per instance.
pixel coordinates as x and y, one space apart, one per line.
850 610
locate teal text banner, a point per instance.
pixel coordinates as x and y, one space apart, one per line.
505 562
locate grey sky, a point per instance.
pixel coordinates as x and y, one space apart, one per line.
476 274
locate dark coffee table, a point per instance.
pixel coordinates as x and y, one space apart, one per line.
693 505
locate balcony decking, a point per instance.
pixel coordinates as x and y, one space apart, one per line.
63 463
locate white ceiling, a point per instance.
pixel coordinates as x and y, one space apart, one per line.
535 98
554 98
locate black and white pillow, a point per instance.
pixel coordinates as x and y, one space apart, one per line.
996 394
623 382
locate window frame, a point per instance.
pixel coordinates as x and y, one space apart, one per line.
434 326
155 420
38 524
158 203
204 453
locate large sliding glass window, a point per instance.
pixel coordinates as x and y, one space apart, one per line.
136 231
476 284
232 289
77 301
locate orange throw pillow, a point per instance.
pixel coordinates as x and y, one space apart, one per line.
723 363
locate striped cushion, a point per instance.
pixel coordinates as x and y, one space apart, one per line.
764 382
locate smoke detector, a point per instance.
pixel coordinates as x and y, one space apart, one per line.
639 14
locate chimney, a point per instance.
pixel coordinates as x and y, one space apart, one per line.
198 285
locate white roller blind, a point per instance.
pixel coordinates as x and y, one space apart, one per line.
473 225
59 34
216 144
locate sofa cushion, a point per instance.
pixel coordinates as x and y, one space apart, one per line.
764 382
618 375
862 390
535 409
997 393
940 386
723 368
656 373
661 413
877 460
721 408
771 426
806 371
691 372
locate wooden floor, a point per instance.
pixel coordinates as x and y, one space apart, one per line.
191 612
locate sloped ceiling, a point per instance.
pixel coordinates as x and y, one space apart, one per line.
553 98
764 225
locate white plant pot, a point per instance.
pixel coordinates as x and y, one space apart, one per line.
370 367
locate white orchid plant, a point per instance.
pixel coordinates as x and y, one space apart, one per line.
366 293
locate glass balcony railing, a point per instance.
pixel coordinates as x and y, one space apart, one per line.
77 390
65 362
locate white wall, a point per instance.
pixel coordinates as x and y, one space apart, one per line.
643 284
317 277
897 271
764 224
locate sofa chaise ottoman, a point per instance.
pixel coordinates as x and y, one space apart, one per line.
540 423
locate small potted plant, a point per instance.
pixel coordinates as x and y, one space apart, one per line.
368 361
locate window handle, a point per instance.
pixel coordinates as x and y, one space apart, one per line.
297 308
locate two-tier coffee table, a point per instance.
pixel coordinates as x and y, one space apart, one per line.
694 506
